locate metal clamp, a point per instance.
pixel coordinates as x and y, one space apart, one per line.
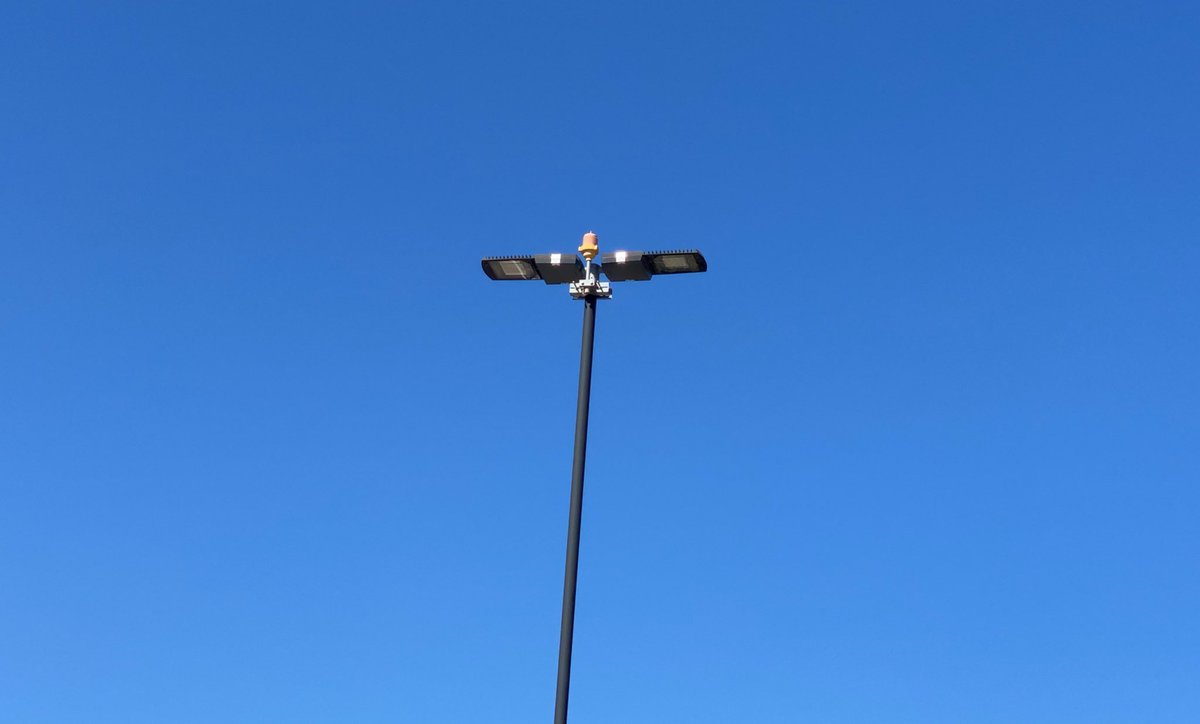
590 286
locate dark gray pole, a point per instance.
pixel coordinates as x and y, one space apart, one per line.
572 574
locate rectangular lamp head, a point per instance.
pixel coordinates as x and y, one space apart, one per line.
677 262
503 268
559 268
638 266
626 266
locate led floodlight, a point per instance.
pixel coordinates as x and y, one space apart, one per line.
503 268
677 262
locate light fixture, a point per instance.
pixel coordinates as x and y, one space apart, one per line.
559 268
677 262
550 268
640 266
626 266
503 268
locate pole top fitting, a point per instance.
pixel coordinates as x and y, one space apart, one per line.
589 248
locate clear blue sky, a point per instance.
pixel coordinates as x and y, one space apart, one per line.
921 447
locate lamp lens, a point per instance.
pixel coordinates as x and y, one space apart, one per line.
516 268
676 263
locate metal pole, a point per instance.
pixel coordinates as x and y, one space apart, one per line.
572 574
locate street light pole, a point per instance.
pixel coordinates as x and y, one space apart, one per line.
571 577
585 284
589 289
